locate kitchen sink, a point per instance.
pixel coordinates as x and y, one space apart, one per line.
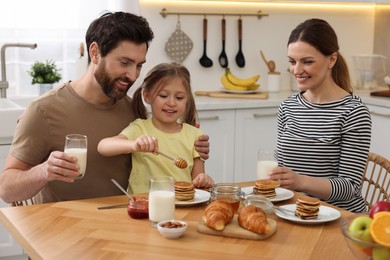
9 113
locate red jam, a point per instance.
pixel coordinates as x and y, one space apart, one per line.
138 209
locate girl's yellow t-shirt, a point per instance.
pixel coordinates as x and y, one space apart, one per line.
147 165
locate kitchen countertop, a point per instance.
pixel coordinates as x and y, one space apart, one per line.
274 99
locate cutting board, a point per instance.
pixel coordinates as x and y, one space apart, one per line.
380 93
233 229
223 94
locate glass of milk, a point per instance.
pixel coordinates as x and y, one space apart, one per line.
266 162
161 199
76 145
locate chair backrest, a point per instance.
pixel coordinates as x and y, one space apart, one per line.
376 179
22 203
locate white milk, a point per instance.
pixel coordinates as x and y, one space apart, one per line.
263 167
161 205
81 154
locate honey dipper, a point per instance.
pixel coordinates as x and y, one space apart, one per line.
179 162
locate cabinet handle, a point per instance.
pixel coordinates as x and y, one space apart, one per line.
379 114
209 118
265 114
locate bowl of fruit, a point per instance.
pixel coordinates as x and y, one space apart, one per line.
368 234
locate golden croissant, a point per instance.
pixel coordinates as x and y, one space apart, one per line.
218 214
253 219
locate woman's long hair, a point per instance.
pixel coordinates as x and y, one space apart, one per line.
319 34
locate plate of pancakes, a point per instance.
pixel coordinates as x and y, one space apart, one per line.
308 210
186 194
269 189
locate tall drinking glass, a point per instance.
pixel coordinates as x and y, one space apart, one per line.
76 145
265 163
161 199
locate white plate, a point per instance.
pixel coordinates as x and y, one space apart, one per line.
240 91
325 214
281 193
200 197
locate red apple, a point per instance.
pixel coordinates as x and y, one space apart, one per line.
379 206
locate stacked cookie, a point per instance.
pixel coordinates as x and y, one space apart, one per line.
184 191
307 208
266 188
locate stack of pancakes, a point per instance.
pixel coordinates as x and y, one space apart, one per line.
307 208
266 188
184 191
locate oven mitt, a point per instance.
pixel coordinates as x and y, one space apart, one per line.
178 45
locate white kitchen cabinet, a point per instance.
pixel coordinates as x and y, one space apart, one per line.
235 136
219 125
255 128
380 141
8 246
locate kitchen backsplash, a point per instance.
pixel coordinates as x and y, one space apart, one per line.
361 30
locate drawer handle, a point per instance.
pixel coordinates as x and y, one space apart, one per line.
379 114
209 118
261 115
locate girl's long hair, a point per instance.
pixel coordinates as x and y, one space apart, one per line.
156 79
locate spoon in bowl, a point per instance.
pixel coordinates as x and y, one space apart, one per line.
179 162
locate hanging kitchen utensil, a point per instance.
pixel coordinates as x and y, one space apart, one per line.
240 60
204 60
223 60
179 45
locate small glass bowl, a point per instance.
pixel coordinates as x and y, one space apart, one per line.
172 232
260 202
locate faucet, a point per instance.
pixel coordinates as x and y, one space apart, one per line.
4 83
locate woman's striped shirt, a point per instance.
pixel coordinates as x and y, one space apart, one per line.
329 140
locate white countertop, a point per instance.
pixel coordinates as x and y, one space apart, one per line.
274 99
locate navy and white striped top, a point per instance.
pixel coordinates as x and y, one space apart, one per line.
330 140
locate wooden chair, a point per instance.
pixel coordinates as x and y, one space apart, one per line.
376 179
23 203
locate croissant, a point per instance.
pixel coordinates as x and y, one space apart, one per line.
218 214
253 219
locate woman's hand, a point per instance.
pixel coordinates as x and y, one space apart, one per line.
288 178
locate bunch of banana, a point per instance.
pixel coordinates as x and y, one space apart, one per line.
232 82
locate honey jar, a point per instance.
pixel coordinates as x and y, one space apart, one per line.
228 192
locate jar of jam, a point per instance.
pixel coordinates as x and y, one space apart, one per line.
139 208
228 192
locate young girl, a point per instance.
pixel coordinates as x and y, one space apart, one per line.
172 129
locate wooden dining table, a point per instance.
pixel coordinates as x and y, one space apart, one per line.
79 230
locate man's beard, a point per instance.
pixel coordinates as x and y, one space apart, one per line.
108 85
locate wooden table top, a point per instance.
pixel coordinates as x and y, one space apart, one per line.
78 230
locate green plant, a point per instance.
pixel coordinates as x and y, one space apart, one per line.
44 72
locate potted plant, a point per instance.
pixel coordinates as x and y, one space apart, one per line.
45 74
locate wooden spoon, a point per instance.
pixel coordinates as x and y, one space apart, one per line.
271 67
179 162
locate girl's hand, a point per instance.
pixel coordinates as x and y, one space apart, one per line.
145 143
203 181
